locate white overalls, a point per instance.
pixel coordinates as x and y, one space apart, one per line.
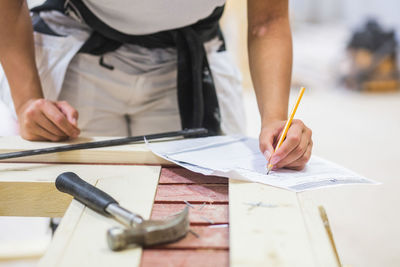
138 96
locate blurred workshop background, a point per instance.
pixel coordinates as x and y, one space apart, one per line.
346 55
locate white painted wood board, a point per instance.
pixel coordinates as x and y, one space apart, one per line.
322 246
80 239
275 233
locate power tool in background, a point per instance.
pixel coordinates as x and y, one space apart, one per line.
372 60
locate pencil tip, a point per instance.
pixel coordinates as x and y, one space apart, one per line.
268 172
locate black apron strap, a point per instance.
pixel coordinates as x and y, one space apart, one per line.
39 25
98 45
198 106
49 5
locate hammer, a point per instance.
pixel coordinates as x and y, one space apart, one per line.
137 231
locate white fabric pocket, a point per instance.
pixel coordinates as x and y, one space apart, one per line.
228 84
52 55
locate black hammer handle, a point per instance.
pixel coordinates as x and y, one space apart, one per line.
94 198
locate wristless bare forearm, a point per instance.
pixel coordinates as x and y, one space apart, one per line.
17 52
270 58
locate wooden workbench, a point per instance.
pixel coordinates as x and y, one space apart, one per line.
230 223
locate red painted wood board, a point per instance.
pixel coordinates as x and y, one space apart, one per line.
184 176
209 193
205 237
182 258
208 213
199 214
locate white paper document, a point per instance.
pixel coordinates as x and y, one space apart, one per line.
239 157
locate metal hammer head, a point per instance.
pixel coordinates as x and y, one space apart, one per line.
149 232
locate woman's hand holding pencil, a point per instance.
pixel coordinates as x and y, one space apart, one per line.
287 144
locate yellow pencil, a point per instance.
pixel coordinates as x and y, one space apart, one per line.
287 125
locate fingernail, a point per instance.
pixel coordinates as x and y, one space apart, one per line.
267 154
275 160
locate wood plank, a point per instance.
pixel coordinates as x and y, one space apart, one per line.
198 214
208 193
125 154
322 246
63 234
185 258
273 235
23 249
206 237
34 199
81 237
28 189
177 175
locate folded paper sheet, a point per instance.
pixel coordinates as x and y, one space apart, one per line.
239 157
